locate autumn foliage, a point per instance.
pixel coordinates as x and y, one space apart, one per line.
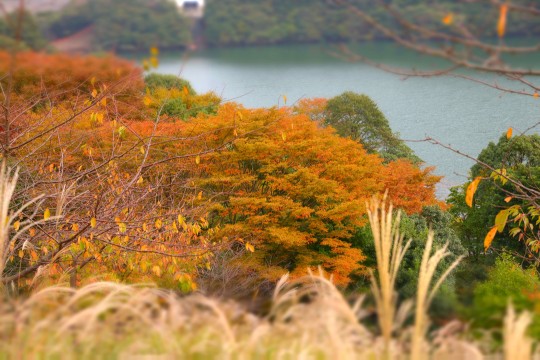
293 193
67 75
145 193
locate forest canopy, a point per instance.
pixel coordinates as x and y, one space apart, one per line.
122 25
237 22
136 25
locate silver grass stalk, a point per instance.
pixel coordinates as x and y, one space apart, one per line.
517 345
426 292
389 251
8 182
8 217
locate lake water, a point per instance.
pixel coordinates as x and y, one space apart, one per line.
455 111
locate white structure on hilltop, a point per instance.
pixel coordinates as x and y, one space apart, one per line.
183 4
191 8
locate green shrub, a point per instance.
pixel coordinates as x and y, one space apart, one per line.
154 81
507 281
174 108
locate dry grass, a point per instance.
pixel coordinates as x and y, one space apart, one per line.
14 223
517 345
309 319
390 251
426 292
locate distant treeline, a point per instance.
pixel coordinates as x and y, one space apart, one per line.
136 25
119 25
237 22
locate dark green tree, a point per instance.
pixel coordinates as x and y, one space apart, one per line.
357 117
520 158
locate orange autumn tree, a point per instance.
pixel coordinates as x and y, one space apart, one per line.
292 193
133 187
85 141
312 107
412 188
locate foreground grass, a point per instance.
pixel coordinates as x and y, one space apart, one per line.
308 318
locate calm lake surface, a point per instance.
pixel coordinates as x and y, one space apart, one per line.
455 111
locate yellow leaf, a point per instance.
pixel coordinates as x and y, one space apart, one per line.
185 90
147 101
17 225
140 181
197 160
145 227
94 93
501 219
181 220
507 199
509 133
75 227
21 254
501 25
104 102
199 195
283 136
146 65
93 81
158 224
122 227
143 150
250 247
471 189
154 62
93 222
235 132
47 214
489 237
448 19
32 232
156 270
154 51
285 99
99 118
